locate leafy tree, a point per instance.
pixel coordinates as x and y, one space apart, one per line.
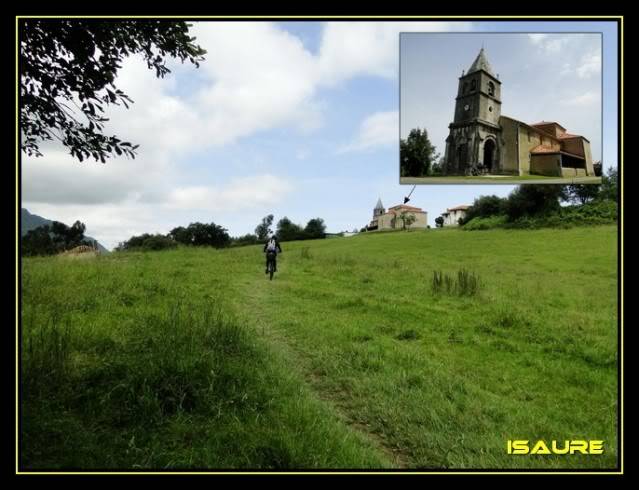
287 230
438 167
581 193
534 200
208 235
416 154
53 239
315 228
201 234
406 218
68 70
263 230
439 221
609 185
180 235
37 242
485 206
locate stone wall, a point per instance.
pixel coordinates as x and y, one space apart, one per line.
547 164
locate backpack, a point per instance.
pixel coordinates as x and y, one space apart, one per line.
272 246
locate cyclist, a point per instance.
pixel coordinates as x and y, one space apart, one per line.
272 248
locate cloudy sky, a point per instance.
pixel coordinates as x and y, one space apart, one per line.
300 119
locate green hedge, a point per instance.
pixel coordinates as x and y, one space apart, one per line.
592 213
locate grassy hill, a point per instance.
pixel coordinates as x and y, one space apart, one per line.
348 359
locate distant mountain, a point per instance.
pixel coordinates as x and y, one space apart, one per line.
30 221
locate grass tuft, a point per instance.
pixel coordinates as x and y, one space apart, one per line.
464 284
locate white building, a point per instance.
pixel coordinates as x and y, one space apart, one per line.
453 215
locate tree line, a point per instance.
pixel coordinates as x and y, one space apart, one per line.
212 235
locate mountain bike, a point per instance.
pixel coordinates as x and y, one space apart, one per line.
270 264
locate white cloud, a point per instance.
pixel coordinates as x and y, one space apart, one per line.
379 129
585 99
59 178
537 38
550 43
258 77
240 193
590 65
350 49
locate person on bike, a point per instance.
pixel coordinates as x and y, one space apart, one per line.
272 248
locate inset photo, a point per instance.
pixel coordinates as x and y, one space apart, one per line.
511 108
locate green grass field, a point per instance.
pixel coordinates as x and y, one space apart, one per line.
347 359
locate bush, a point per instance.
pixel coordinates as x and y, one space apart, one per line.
248 239
158 242
147 242
597 212
592 213
484 207
485 223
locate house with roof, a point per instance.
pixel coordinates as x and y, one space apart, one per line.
483 141
391 219
453 215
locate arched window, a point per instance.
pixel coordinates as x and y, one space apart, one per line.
491 88
473 85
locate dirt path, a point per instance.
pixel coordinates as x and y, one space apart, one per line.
253 302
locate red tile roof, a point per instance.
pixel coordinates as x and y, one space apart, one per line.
546 123
404 207
544 150
461 207
540 149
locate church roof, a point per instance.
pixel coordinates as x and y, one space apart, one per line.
379 204
543 150
404 207
481 63
548 123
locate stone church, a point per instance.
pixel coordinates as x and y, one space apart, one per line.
391 219
482 141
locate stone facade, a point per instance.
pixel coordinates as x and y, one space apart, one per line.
482 141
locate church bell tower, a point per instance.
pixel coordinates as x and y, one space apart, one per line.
472 146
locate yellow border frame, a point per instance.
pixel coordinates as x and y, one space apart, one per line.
321 18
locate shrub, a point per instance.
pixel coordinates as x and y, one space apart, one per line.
484 207
147 242
158 242
485 223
